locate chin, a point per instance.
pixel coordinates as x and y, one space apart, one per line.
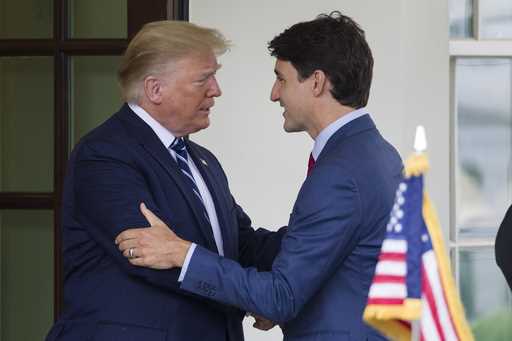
203 125
290 128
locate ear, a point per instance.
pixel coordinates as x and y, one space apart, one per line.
320 82
153 89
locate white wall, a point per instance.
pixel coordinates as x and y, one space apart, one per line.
266 166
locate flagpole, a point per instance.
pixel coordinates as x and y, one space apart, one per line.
420 146
415 330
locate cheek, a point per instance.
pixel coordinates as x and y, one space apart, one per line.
197 97
189 103
289 97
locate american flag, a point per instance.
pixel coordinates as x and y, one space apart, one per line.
412 278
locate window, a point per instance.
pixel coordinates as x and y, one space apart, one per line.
58 63
481 163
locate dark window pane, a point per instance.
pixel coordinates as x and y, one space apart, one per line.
26 274
26 124
95 93
98 18
26 19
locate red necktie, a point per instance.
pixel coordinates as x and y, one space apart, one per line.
311 163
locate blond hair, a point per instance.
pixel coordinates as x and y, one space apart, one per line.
157 45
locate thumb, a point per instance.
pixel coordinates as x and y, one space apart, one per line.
150 216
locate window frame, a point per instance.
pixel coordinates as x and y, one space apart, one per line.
478 48
61 47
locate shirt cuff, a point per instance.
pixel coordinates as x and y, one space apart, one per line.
184 268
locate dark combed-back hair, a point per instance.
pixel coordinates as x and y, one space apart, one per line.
335 44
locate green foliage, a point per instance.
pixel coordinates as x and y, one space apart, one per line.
495 327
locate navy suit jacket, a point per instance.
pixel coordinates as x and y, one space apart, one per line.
114 168
503 252
319 283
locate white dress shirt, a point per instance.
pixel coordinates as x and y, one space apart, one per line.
167 138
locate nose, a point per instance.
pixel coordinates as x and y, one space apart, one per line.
274 93
214 90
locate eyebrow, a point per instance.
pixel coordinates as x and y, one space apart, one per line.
277 73
211 72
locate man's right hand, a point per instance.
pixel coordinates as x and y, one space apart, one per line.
156 246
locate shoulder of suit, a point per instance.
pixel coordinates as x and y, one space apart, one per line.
334 172
203 151
110 137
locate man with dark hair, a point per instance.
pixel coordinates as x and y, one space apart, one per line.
316 45
318 286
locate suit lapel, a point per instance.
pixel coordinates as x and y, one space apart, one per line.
356 126
152 144
217 195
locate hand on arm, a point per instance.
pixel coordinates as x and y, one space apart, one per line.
155 247
323 233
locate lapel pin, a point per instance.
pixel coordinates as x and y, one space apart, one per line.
204 162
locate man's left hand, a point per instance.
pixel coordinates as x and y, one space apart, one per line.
156 247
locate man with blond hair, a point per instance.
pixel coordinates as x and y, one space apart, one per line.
141 154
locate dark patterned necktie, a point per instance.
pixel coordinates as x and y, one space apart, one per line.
178 145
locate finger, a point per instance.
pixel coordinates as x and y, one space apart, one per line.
260 326
137 252
127 244
262 323
145 261
150 216
265 327
139 261
256 323
126 253
128 234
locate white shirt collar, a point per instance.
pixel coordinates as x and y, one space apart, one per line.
327 132
163 134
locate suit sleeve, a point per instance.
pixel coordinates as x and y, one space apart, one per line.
108 189
257 248
323 231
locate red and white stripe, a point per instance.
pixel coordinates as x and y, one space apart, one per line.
436 320
389 284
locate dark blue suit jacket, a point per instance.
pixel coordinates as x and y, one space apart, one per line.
319 282
114 168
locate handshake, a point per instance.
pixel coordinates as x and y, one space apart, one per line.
261 322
